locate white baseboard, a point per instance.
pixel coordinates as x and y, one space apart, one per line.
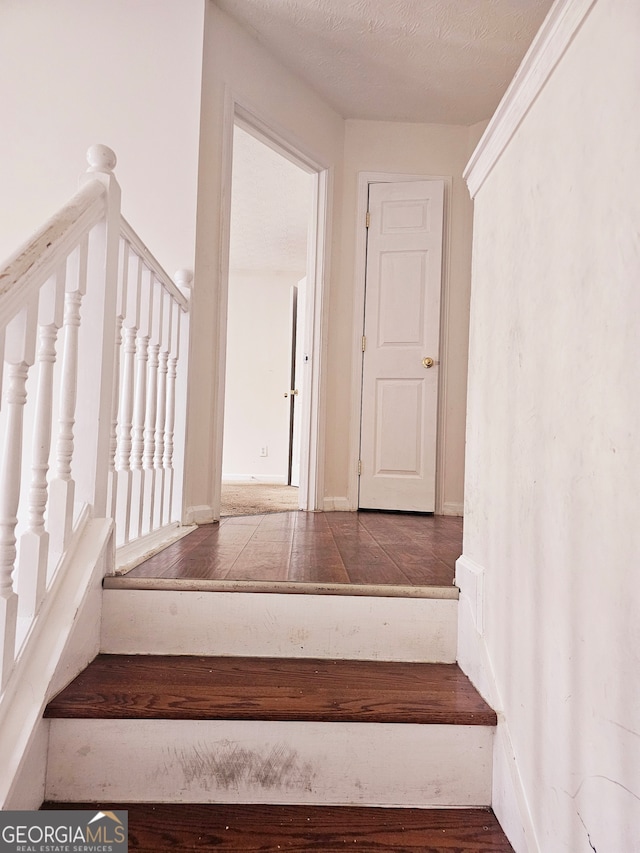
453 508
263 479
509 798
470 581
199 515
338 505
130 555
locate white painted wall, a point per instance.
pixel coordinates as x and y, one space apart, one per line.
553 457
237 65
420 149
256 413
110 71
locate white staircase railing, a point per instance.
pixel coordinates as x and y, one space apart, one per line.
86 427
151 330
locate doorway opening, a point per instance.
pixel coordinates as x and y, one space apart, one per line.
269 340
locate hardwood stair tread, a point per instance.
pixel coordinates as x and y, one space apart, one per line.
155 828
300 689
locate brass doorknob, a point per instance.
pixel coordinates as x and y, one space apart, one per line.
427 362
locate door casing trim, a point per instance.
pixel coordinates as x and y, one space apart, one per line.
238 111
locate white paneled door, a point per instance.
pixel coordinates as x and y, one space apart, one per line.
401 339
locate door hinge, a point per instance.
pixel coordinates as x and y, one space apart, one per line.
368 219
364 343
359 467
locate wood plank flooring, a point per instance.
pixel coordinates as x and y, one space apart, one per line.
158 828
236 688
362 548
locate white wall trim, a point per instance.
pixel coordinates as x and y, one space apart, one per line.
509 798
470 581
136 552
278 138
546 50
250 118
455 508
337 504
256 479
202 514
364 179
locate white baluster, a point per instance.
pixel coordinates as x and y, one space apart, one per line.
152 403
170 412
169 423
167 310
19 355
137 434
73 301
148 491
156 306
159 439
131 309
123 457
34 542
115 406
139 405
176 401
162 409
60 516
115 400
139 315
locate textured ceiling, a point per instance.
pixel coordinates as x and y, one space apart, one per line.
443 61
270 205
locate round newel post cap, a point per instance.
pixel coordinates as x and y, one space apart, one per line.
101 158
183 279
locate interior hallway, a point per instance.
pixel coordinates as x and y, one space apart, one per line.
361 548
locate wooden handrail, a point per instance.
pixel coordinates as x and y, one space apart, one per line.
163 277
38 258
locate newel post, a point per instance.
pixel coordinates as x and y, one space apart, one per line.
96 341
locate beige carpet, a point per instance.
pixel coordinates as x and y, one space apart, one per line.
257 498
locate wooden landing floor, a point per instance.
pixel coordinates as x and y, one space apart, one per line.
300 829
230 688
361 548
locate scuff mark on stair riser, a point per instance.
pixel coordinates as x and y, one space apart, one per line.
230 765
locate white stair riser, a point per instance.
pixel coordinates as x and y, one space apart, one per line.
270 762
279 625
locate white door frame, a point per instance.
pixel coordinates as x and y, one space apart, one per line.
318 247
364 179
